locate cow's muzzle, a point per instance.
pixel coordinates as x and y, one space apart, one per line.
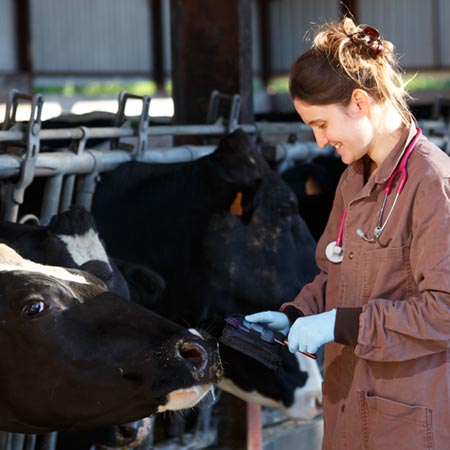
202 357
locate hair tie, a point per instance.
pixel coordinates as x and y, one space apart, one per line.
370 37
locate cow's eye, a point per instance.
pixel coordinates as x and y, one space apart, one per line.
34 308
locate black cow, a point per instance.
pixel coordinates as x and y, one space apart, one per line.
314 184
75 355
225 234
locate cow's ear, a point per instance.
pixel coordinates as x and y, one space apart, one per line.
146 286
98 268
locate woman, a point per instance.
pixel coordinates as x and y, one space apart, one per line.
382 300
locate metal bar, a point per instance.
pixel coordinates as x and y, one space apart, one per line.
7 442
60 163
4 439
158 130
67 193
85 191
17 441
69 133
51 198
32 146
30 442
48 441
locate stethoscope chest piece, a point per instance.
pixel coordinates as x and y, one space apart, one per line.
335 253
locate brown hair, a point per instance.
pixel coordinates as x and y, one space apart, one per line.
345 56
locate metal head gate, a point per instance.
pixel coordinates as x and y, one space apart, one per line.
70 173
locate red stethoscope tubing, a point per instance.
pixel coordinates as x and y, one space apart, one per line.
401 169
341 228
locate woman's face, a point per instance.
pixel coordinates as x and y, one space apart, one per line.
347 128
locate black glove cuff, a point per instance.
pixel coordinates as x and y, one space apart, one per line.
346 328
292 313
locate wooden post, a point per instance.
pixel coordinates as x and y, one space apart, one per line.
211 49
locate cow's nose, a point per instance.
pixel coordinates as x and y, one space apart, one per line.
194 353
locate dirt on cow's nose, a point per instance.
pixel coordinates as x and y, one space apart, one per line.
203 357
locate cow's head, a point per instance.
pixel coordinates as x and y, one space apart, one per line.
72 241
77 356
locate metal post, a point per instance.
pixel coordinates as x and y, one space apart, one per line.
51 198
48 441
17 441
30 442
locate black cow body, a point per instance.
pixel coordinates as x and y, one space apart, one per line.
225 234
314 184
78 356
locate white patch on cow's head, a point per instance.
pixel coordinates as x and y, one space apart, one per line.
195 332
85 247
185 398
10 260
307 399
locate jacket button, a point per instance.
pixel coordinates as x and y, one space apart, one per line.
350 255
343 408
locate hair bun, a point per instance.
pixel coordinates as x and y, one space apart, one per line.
368 37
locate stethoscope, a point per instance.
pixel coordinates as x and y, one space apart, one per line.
334 250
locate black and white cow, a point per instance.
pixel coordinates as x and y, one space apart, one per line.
75 355
71 240
225 234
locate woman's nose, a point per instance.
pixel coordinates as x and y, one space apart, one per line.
321 140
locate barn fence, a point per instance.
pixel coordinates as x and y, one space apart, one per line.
20 154
71 171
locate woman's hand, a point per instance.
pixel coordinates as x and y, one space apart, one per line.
273 319
307 334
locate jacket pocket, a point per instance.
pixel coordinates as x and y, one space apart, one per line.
386 273
387 424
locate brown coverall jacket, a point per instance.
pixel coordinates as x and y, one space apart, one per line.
387 376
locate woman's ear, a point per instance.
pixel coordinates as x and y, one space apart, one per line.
360 101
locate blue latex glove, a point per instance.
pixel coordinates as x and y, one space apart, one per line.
307 334
273 319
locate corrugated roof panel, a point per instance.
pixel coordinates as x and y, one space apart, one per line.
289 21
91 35
411 35
8 62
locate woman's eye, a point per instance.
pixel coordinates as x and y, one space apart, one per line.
34 308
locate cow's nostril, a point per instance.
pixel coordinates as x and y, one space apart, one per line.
194 353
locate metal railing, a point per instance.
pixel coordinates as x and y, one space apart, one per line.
70 173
